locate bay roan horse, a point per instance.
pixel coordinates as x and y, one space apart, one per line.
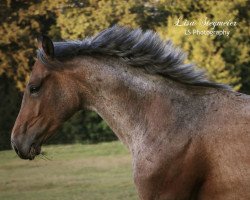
189 137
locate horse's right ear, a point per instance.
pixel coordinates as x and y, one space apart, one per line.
45 43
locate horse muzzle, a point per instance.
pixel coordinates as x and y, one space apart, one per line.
25 149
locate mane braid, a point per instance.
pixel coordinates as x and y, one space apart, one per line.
136 48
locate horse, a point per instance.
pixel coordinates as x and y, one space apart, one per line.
189 137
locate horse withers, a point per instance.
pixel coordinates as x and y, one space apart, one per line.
189 137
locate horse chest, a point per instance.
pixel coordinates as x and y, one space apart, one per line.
160 175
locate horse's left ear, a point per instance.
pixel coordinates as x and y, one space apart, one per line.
45 43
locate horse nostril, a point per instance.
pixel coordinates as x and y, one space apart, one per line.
15 148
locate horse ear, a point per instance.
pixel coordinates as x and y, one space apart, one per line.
45 43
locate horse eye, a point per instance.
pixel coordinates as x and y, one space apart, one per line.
34 89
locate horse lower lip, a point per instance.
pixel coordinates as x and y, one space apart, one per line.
38 151
31 158
33 151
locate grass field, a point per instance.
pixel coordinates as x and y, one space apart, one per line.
73 172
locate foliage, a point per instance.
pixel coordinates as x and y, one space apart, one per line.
226 59
9 99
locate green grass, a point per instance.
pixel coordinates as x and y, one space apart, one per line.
101 171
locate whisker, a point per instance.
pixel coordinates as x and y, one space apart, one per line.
41 157
43 154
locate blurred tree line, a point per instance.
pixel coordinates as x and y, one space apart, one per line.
226 59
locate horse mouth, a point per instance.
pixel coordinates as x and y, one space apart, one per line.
34 151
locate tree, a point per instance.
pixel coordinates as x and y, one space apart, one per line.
221 56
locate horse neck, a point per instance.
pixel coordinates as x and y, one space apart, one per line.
131 101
